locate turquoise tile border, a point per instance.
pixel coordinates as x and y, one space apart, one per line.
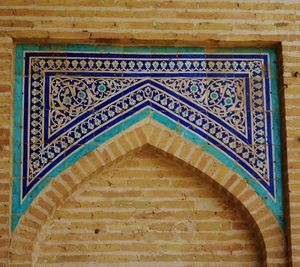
18 210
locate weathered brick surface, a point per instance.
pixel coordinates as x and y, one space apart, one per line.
120 217
156 22
6 50
272 248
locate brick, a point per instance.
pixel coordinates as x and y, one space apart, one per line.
124 143
155 136
37 214
133 139
163 139
176 23
86 168
141 136
115 150
165 199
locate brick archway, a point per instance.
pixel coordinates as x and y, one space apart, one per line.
156 135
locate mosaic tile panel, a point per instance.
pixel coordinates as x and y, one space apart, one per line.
68 97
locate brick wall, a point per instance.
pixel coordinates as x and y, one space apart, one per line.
6 51
196 23
231 186
147 211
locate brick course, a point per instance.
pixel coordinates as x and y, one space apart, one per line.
117 218
190 23
269 236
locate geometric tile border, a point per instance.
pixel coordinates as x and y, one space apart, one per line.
68 102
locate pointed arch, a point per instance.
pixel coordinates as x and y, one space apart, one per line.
148 132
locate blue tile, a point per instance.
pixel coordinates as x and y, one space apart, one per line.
80 96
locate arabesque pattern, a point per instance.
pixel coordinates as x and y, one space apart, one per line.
71 97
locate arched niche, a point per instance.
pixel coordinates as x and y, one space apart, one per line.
148 132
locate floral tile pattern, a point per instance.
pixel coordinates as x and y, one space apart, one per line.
69 97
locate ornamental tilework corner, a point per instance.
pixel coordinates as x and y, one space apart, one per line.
70 96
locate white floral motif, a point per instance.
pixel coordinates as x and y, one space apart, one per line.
196 100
